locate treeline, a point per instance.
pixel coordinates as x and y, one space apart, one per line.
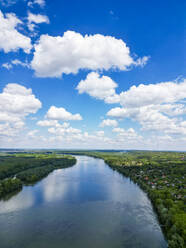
35 174
163 176
10 185
24 168
169 201
11 165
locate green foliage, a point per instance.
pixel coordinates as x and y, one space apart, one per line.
162 176
11 165
34 174
28 168
9 185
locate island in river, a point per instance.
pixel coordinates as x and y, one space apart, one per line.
160 174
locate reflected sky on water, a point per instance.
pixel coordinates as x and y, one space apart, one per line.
87 205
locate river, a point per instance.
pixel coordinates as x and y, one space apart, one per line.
88 205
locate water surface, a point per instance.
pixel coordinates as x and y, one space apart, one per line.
86 206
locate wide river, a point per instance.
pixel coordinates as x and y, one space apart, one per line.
86 206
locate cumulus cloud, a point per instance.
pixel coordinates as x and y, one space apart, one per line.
62 114
34 19
10 38
99 87
48 123
74 51
16 102
10 129
154 106
117 112
63 130
150 118
108 123
73 136
143 95
18 99
128 134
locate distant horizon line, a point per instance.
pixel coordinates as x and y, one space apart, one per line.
75 149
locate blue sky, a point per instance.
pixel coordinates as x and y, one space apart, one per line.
92 74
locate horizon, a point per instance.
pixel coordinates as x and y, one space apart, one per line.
77 150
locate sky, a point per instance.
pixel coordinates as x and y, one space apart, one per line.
92 74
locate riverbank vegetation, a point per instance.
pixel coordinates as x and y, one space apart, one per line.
162 175
24 168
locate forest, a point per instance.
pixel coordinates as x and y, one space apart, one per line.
162 175
20 169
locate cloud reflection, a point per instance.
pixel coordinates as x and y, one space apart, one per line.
23 200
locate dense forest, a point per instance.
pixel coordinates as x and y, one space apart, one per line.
162 175
24 168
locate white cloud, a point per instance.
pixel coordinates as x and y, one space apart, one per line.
85 140
129 134
109 123
143 95
99 87
149 117
171 109
154 106
32 133
33 18
16 102
8 66
8 3
41 3
48 123
37 18
18 62
117 112
100 133
63 129
18 99
142 61
73 136
10 38
10 128
55 113
74 52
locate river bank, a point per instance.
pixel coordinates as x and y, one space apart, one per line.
86 205
161 176
23 169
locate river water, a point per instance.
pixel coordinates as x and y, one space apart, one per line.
86 206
